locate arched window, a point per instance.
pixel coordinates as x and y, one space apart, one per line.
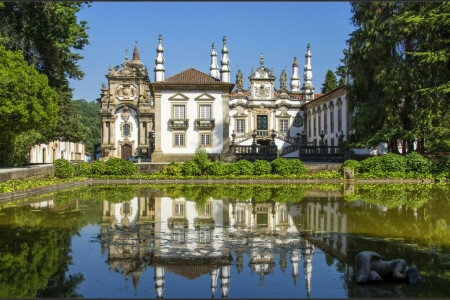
126 129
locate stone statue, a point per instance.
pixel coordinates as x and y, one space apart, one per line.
370 267
283 80
239 81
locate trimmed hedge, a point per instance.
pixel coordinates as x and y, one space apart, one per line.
83 169
262 167
216 168
63 168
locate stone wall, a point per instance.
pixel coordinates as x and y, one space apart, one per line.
34 171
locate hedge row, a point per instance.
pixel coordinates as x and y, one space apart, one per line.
114 166
391 162
280 166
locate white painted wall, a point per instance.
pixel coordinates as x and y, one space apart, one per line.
134 129
192 133
55 150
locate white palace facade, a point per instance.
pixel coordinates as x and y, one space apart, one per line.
167 119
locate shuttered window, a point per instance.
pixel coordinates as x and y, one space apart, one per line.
178 112
205 139
205 111
179 139
284 126
240 126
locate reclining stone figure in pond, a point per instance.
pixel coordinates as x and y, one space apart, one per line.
370 267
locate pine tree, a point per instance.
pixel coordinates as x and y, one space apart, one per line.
330 82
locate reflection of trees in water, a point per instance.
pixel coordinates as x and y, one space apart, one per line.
34 256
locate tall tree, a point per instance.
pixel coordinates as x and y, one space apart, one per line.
330 82
399 65
91 120
47 33
27 102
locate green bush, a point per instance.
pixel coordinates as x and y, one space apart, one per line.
83 169
442 165
217 168
231 169
202 160
371 165
353 164
118 166
392 162
245 167
98 167
262 167
281 166
63 168
417 163
296 167
191 168
174 169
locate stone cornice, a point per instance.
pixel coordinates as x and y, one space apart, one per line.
169 86
327 97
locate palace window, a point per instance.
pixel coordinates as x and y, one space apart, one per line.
340 120
205 139
126 129
178 112
206 210
205 111
325 123
332 121
315 126
240 215
284 126
179 209
240 126
309 127
283 215
320 124
178 139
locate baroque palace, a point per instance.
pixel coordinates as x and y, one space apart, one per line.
169 118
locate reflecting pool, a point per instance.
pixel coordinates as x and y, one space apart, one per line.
202 241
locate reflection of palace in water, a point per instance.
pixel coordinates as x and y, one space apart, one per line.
192 240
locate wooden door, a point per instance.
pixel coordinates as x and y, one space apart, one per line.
126 151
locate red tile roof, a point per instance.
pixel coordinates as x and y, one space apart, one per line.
191 76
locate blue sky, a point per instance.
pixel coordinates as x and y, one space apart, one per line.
281 30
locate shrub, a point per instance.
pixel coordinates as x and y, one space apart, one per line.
217 168
98 167
281 166
118 166
231 169
392 162
63 168
442 165
174 169
262 167
351 163
296 167
202 160
83 169
245 167
191 168
371 165
417 163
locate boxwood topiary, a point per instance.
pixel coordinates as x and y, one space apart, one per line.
351 163
392 162
83 169
98 167
262 167
216 168
371 165
232 169
190 168
245 167
281 166
296 167
417 163
118 166
63 168
174 169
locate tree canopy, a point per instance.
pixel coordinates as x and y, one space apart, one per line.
27 102
91 121
330 82
401 80
47 33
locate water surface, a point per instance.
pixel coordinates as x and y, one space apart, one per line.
255 241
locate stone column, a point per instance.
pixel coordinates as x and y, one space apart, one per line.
104 133
158 121
112 128
226 122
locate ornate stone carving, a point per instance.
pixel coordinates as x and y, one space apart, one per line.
126 92
239 82
262 91
298 121
126 113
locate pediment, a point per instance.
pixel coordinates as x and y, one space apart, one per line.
205 97
179 96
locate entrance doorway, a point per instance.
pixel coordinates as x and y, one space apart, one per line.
126 151
261 122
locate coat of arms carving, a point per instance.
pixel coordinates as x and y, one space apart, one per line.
126 92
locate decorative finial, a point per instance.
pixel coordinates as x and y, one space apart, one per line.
136 53
126 53
262 60
295 64
110 68
160 38
213 46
